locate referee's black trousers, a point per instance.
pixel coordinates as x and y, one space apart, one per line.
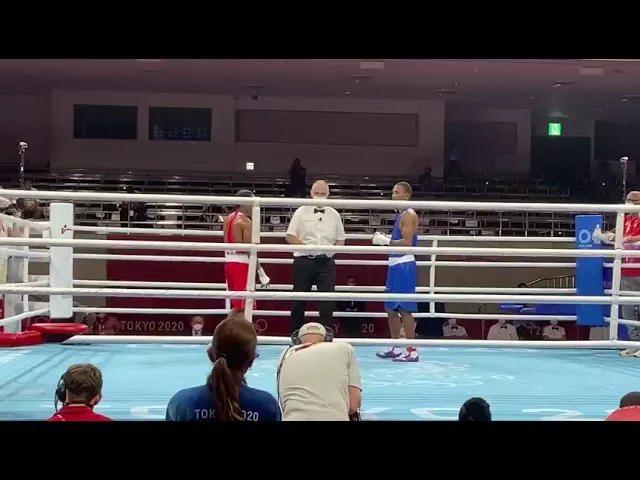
308 271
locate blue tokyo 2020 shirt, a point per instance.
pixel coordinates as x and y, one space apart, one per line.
196 404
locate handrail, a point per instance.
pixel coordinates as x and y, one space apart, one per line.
546 279
535 282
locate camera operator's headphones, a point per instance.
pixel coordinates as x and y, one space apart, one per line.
61 393
311 328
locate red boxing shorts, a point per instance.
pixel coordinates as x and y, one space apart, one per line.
237 274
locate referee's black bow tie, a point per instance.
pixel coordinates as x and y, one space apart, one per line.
318 210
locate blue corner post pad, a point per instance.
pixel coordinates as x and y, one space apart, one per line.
589 271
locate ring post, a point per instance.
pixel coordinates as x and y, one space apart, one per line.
589 271
25 273
432 279
253 261
615 280
61 263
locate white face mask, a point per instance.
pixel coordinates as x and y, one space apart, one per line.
554 322
196 328
502 321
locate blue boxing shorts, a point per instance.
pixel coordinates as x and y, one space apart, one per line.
402 278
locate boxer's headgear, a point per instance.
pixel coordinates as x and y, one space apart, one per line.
244 194
312 328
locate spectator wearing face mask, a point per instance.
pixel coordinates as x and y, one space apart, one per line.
502 331
351 326
314 225
197 324
453 331
554 332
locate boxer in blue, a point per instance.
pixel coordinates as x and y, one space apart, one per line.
402 276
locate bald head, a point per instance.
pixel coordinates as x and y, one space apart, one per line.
320 189
633 197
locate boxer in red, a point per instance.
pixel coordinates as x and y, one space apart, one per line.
237 229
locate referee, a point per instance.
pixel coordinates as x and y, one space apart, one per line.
314 226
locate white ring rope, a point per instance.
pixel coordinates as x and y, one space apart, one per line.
288 261
39 226
331 202
14 252
350 236
283 313
320 296
23 316
192 340
350 249
339 288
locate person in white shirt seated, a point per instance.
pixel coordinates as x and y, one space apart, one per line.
319 380
554 332
452 330
502 331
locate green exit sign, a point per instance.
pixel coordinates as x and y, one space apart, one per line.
555 129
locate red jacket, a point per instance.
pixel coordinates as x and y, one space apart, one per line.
626 414
77 413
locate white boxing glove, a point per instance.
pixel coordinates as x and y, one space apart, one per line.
264 279
597 235
380 239
600 236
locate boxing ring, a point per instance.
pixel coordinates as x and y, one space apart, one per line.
522 380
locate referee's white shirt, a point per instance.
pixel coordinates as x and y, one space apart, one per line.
315 228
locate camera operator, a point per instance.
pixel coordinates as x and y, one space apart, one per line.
319 380
79 391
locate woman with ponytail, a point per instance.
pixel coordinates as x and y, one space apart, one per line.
225 396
